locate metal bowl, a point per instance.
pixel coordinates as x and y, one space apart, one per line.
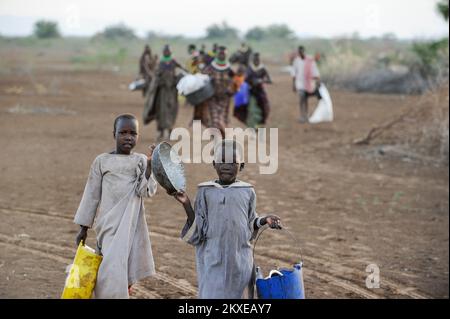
168 173
200 96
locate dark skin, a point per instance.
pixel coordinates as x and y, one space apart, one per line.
227 173
126 136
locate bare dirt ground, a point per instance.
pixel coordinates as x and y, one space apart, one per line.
346 209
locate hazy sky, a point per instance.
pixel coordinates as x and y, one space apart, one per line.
326 18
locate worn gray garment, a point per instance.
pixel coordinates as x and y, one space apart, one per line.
113 197
221 233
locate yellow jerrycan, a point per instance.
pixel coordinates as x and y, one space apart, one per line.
82 275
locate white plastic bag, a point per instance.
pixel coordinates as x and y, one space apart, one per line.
191 83
324 110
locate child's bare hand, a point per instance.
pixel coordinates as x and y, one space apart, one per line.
273 221
151 148
181 196
82 235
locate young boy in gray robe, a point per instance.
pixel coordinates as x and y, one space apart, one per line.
221 226
113 204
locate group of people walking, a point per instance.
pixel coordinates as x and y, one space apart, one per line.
227 77
241 79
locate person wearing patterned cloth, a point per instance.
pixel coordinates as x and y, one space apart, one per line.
257 75
221 76
166 94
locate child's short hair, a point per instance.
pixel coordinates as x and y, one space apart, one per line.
230 147
123 116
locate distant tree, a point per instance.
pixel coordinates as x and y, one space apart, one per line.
255 33
279 31
221 31
118 31
442 8
152 35
46 29
272 31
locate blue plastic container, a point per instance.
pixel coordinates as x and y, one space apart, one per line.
242 96
287 286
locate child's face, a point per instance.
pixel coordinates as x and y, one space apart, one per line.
126 135
227 172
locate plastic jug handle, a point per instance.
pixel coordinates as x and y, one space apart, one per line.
290 235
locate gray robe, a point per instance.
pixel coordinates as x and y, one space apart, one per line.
113 197
221 232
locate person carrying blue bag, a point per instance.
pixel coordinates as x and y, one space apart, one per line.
221 226
257 76
242 96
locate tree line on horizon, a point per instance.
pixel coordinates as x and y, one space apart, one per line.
50 29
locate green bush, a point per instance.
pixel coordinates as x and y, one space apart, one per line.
118 31
46 29
256 33
430 55
274 31
217 31
279 31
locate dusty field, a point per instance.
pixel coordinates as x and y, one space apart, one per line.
347 209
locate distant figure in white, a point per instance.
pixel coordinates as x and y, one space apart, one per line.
306 81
